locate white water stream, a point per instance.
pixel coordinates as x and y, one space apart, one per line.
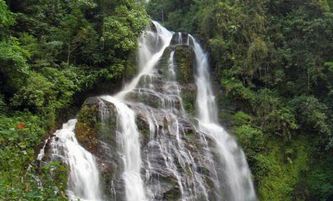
149 54
83 183
215 168
237 173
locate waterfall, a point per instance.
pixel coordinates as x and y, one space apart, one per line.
151 47
147 144
83 181
236 172
130 151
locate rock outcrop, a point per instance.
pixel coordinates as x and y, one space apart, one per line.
173 150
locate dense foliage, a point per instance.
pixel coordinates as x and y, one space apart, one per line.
273 60
50 53
274 63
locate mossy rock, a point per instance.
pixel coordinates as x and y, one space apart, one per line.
189 96
91 128
86 136
108 126
86 130
173 195
95 130
163 64
184 60
185 63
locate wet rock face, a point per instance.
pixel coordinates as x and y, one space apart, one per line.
184 64
180 38
175 163
96 131
86 131
184 61
89 127
156 90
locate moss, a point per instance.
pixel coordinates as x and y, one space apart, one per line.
107 126
86 127
174 193
189 100
184 58
88 115
90 128
86 135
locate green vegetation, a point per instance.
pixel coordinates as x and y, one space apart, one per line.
52 52
273 60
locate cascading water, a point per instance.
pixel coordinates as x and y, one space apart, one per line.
83 183
151 47
130 150
149 55
147 145
236 170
